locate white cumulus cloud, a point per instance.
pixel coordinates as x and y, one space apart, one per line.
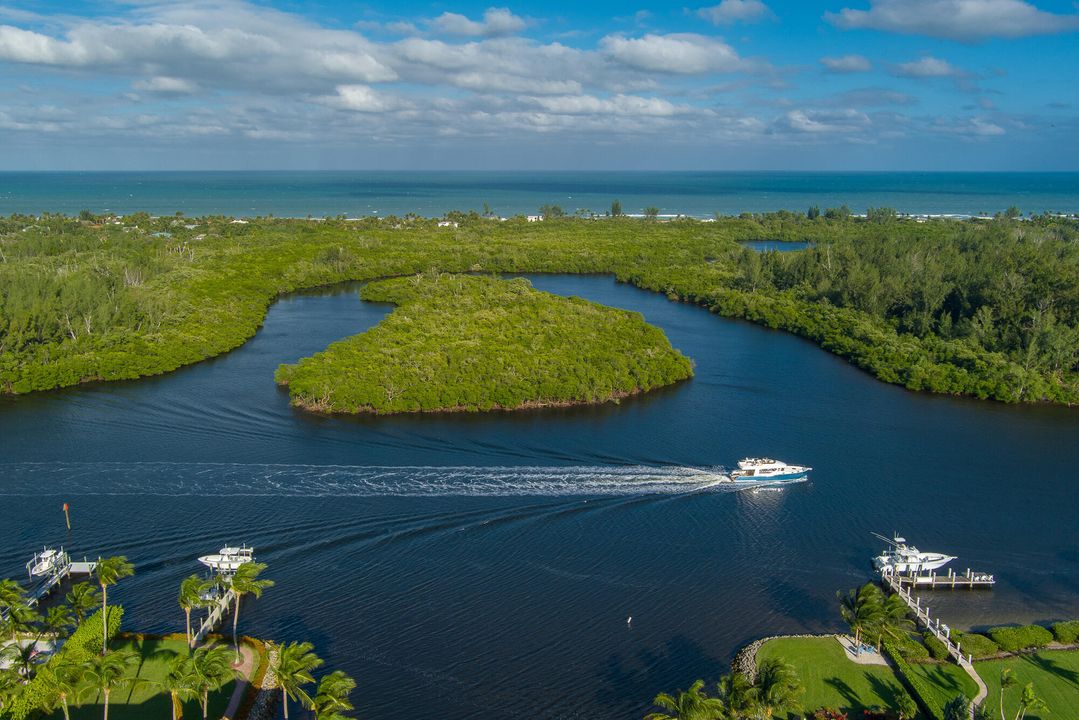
732 11
927 67
495 22
847 64
963 20
679 53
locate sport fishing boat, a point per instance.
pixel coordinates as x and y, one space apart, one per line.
903 558
228 559
47 562
768 470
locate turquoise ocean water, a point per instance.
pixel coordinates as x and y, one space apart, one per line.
358 193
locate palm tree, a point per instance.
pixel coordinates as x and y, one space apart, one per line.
57 620
213 668
691 704
11 594
21 657
182 683
109 572
21 619
894 620
244 582
905 705
958 708
331 698
1029 701
61 677
737 693
10 687
1007 681
82 598
777 688
861 609
104 674
295 662
191 590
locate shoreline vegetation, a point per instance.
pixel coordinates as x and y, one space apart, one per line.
984 308
466 343
901 673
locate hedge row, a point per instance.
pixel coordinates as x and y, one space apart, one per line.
916 684
1014 639
1066 633
974 644
83 644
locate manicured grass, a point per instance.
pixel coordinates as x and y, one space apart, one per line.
830 679
145 698
458 342
1055 674
947 680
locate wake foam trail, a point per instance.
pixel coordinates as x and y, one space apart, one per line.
224 480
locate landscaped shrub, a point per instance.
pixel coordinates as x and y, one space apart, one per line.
937 649
84 643
911 649
86 640
919 689
974 644
1066 633
826 713
1013 639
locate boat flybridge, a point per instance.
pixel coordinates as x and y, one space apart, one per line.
903 558
768 470
228 559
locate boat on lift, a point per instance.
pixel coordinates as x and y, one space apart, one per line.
903 558
228 559
47 562
758 470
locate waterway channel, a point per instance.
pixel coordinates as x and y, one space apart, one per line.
467 566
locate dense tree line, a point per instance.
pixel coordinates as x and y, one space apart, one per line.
979 308
458 342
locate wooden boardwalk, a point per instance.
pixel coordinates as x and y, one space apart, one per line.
965 661
217 613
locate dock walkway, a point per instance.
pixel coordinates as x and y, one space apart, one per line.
218 610
895 584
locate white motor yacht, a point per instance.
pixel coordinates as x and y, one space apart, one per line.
904 558
768 470
228 559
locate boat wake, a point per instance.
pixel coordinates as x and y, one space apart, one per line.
225 479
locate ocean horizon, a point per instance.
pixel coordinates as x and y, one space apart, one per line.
320 193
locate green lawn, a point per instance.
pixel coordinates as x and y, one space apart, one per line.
1055 674
947 679
144 699
831 679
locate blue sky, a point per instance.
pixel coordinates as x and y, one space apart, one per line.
724 85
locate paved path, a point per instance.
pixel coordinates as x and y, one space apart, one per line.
247 667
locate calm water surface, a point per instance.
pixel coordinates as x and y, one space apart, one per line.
473 566
431 194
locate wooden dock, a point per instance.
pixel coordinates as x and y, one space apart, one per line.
62 568
218 609
951 580
940 630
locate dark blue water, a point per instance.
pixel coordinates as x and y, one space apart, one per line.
468 566
777 245
699 194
